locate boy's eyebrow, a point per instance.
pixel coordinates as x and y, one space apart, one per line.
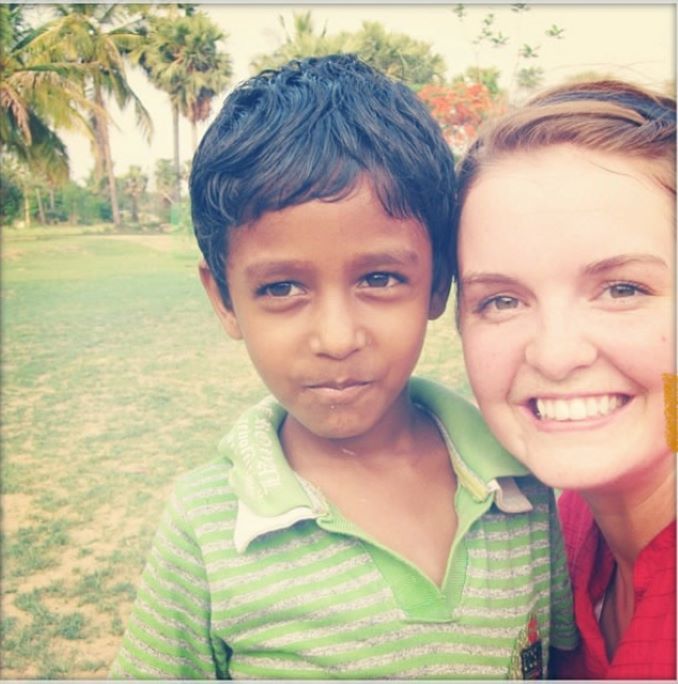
282 267
268 269
395 257
624 260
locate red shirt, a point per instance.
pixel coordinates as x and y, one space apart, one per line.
647 649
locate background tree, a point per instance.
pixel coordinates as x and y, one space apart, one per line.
11 192
488 76
83 205
134 183
461 105
395 54
459 108
96 37
526 73
165 179
181 55
38 95
303 41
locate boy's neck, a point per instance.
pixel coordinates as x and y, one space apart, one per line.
396 484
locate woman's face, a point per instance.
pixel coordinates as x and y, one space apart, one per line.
567 316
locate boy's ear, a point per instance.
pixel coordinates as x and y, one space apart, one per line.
438 301
224 313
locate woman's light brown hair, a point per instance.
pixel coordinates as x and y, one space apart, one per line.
606 116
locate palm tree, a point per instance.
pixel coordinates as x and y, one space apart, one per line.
181 57
134 183
304 41
37 96
96 37
165 182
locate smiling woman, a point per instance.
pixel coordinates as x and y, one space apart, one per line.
567 337
566 271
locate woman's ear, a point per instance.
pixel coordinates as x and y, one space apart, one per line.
224 312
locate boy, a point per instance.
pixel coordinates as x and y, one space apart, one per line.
360 525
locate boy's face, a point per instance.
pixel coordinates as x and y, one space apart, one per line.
332 300
566 261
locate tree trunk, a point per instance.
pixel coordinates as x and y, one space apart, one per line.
105 147
97 152
27 208
194 136
41 207
177 160
52 205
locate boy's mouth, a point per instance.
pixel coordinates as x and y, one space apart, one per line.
337 390
336 384
576 408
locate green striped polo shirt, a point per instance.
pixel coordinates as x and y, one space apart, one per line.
253 574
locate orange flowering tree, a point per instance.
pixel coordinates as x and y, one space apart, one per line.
460 108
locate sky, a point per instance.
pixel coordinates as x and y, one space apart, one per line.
632 41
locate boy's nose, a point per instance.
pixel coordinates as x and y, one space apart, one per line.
336 331
558 346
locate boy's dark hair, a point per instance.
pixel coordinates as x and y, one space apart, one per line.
308 131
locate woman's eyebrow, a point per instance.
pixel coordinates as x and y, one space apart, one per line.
486 279
624 260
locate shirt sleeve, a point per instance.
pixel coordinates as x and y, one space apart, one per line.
564 635
168 633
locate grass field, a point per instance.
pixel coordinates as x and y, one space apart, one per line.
116 377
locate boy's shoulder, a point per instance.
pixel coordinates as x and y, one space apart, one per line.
482 465
202 493
247 444
210 475
249 485
466 432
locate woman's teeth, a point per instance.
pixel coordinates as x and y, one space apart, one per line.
578 408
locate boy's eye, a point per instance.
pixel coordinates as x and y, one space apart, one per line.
282 289
381 279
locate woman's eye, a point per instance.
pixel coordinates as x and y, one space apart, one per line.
381 279
282 289
619 290
499 303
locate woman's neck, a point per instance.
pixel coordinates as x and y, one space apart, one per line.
631 515
629 518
